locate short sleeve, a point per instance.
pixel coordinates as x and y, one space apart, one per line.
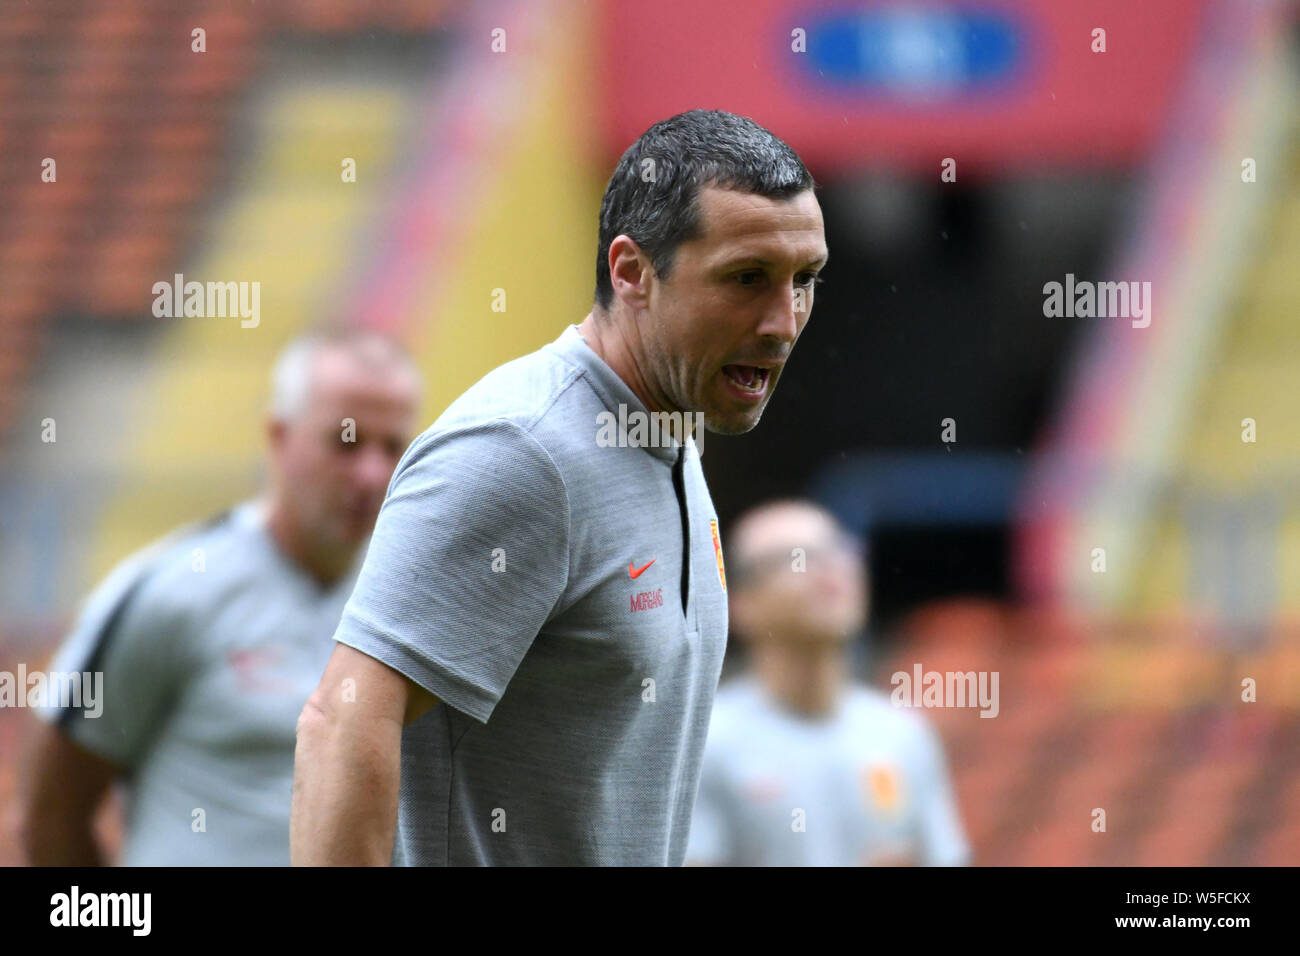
469 557
711 842
942 839
123 659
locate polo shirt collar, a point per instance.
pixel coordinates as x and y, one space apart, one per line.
612 390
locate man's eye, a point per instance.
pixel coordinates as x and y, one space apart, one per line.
747 275
811 279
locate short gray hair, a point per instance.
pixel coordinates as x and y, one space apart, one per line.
291 376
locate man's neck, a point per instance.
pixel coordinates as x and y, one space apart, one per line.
608 340
804 676
324 568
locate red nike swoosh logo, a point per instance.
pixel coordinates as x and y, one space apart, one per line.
636 572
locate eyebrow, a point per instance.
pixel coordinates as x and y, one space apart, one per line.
817 263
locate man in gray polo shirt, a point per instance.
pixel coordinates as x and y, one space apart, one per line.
528 661
210 641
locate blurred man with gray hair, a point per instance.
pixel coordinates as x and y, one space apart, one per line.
802 766
211 640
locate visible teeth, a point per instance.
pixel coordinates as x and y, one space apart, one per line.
748 377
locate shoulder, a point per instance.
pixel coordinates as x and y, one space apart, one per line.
200 557
519 425
156 587
522 392
201 564
484 466
547 401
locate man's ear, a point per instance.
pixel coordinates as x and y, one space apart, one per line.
630 271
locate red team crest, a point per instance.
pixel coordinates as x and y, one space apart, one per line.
717 552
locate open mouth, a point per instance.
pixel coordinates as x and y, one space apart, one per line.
749 379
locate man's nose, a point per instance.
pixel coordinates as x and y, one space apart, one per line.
782 320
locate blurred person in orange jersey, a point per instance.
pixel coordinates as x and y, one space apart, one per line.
210 641
804 767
